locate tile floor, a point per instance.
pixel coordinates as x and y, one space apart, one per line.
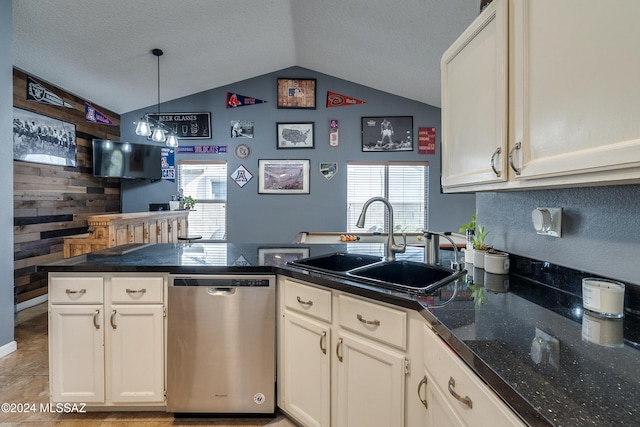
24 378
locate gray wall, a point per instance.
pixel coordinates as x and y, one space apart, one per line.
600 228
6 184
259 218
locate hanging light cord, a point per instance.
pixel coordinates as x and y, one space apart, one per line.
158 53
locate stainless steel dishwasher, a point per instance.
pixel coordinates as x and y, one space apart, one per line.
221 344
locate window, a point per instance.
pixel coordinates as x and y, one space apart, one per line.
207 183
405 185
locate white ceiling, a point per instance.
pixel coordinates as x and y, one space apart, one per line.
101 50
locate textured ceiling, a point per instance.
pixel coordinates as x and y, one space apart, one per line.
100 50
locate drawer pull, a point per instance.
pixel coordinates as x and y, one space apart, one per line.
338 348
422 382
307 303
81 291
323 342
368 322
517 146
95 319
465 400
113 320
136 291
493 162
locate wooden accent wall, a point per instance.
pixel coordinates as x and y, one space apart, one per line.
51 202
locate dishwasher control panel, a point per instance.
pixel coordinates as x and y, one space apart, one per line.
222 281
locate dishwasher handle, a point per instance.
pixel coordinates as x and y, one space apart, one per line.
222 291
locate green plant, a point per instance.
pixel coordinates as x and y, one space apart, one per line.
189 202
471 225
478 295
478 238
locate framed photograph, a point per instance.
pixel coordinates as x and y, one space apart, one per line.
241 128
295 135
297 93
43 139
283 176
280 256
388 133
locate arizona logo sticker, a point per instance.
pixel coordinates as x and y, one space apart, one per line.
236 100
337 100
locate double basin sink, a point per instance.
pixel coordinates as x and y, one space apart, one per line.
406 276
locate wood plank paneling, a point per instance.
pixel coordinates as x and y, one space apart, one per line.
51 202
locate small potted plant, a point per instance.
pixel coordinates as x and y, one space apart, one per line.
189 202
480 247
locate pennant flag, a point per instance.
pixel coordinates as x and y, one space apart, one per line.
337 100
38 93
94 116
236 100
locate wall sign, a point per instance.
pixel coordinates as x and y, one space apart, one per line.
186 125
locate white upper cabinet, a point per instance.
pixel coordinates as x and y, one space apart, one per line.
574 86
474 102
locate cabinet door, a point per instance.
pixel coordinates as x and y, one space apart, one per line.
474 102
576 90
437 412
306 383
76 353
136 353
370 388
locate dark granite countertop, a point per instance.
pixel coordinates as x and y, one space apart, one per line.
521 333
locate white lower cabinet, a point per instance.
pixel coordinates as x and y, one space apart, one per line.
453 395
306 361
370 389
76 353
106 339
332 375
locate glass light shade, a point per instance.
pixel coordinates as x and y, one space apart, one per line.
158 135
143 128
172 141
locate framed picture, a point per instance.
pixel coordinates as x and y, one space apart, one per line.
295 135
283 176
297 93
43 139
280 256
186 125
388 133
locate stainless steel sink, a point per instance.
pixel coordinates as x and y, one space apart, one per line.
408 276
336 262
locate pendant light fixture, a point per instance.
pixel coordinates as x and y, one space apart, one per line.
149 126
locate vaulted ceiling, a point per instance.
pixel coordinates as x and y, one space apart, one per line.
101 50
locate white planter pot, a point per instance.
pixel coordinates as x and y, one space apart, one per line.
468 256
174 205
496 263
478 258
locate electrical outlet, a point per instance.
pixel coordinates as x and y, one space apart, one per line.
550 347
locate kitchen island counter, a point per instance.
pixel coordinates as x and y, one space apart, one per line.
521 335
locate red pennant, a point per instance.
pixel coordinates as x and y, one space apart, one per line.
337 100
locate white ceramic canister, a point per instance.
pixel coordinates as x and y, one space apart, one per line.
478 258
468 256
603 296
496 263
602 331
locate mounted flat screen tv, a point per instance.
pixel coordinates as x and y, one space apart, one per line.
113 159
